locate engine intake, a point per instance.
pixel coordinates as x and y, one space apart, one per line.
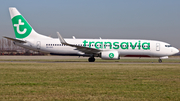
110 55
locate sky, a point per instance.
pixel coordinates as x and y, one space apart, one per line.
112 19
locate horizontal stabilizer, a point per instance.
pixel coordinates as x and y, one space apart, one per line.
16 40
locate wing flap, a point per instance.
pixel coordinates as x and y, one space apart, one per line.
86 50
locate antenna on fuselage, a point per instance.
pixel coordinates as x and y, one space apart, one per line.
73 37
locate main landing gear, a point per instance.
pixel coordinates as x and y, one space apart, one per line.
159 60
91 59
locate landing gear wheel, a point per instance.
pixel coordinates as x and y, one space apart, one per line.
160 60
91 59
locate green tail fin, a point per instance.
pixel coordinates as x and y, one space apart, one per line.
22 28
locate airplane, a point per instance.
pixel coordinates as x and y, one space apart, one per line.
110 49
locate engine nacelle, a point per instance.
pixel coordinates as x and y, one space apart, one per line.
110 55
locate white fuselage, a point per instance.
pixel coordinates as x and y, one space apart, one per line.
125 47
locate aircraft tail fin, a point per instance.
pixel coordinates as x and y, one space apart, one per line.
22 28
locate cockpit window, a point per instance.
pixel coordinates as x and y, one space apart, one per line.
168 46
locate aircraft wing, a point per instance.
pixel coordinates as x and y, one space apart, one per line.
16 40
86 50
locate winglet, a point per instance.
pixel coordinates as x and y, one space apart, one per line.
61 38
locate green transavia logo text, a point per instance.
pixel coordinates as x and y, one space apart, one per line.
21 28
118 45
111 55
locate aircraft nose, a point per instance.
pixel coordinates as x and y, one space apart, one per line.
175 50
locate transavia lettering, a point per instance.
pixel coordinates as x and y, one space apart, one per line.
116 45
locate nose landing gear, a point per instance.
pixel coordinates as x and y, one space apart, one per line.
159 60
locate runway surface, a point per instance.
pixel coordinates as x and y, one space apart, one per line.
43 59
2 57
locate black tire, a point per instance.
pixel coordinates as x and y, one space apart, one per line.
92 59
160 61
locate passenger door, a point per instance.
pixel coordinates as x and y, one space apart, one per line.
157 46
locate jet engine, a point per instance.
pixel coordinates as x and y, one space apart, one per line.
110 55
